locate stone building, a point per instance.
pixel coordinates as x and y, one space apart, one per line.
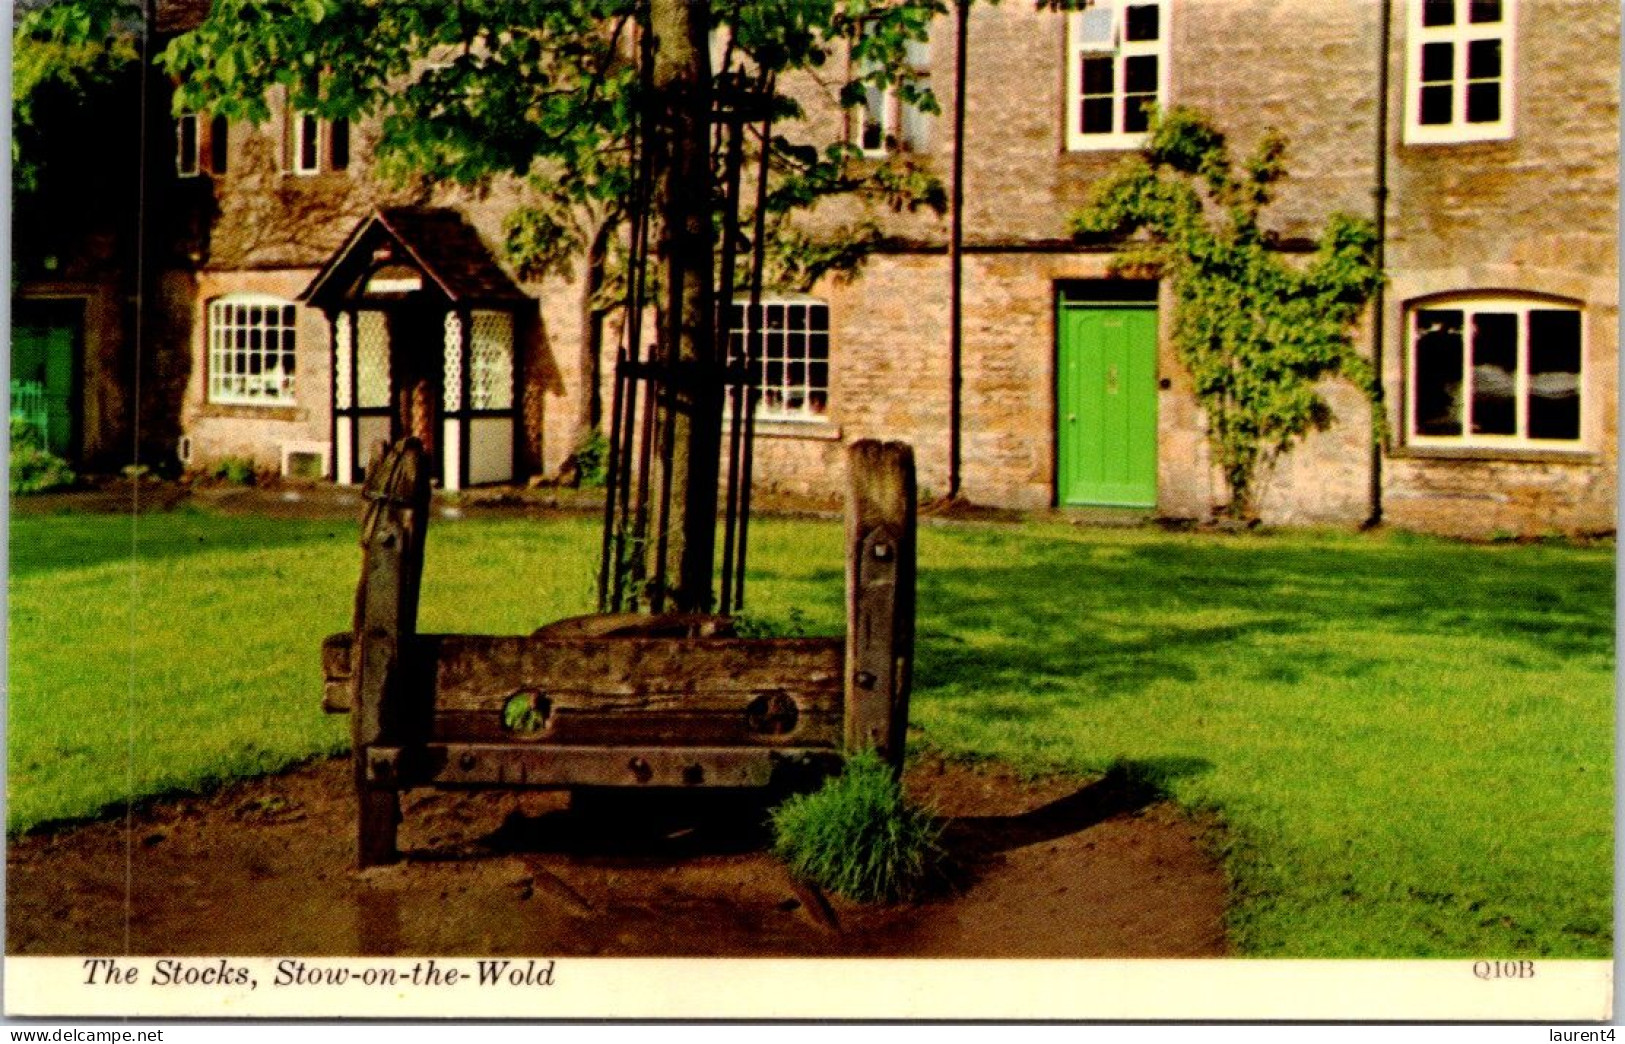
1487 129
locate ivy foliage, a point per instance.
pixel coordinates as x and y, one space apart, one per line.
1257 330
35 469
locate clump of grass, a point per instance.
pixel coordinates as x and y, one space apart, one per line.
794 626
858 836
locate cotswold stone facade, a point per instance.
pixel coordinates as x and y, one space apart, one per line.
1486 128
1491 221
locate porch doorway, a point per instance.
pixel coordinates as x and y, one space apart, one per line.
424 343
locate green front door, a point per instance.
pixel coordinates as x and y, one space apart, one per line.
1107 406
44 353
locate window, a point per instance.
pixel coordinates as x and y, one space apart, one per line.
885 122
320 145
251 350
1117 70
196 143
1459 71
788 354
219 140
1495 372
187 151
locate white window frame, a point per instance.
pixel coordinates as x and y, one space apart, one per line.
1121 50
227 317
894 137
1475 304
188 162
771 408
304 124
1459 35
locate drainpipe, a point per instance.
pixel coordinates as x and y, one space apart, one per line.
956 247
1379 193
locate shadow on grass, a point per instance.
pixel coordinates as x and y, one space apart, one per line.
1080 621
47 543
1129 785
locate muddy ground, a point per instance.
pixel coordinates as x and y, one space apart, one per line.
1056 868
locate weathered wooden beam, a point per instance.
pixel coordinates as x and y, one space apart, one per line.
639 625
470 671
337 673
396 495
880 581
769 722
508 765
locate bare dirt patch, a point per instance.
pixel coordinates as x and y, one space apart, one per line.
1057 868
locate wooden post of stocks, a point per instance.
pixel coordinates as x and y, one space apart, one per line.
880 571
386 610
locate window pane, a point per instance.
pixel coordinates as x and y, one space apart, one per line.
1438 12
817 317
1436 104
1484 60
307 143
1438 372
1483 102
339 138
1137 112
1097 75
1097 116
1554 374
916 129
1495 374
874 107
1140 75
1438 62
1482 11
219 139
1095 26
1141 22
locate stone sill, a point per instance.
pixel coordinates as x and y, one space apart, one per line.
232 411
815 431
1490 453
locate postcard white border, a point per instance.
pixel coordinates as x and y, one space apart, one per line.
1431 990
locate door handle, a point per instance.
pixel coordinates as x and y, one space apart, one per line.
1072 418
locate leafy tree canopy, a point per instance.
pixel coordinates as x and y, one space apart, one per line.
545 90
1257 330
61 56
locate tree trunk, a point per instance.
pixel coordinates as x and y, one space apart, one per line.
692 430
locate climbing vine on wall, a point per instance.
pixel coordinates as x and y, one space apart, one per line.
1257 328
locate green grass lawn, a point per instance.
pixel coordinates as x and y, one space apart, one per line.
1408 742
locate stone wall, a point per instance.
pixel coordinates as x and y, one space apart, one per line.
258 433
1536 214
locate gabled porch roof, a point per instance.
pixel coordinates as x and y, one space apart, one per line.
435 240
